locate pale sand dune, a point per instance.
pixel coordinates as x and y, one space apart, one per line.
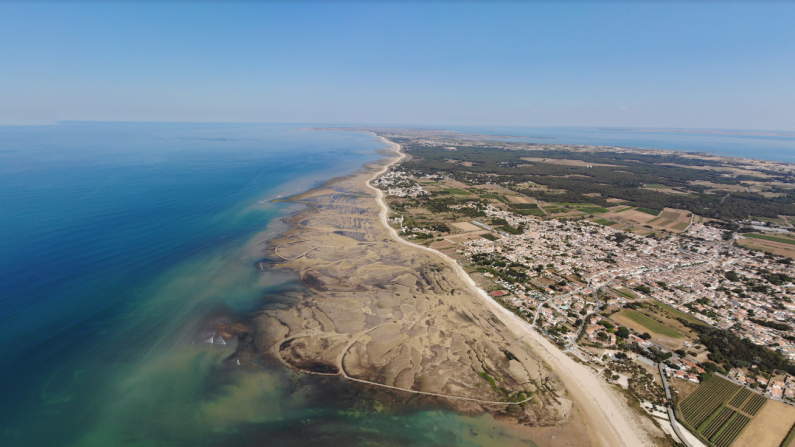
398 320
611 421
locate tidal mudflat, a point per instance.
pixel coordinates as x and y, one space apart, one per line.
397 323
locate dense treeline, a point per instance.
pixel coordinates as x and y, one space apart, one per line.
771 324
624 180
726 348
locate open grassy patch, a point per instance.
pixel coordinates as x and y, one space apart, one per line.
649 211
605 222
535 212
573 205
499 197
676 312
594 209
458 191
525 206
650 324
626 293
681 226
771 238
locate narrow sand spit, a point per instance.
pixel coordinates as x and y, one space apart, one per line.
610 420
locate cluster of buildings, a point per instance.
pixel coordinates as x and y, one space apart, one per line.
684 369
697 272
706 232
774 387
399 184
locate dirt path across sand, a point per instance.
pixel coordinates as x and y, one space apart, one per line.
610 420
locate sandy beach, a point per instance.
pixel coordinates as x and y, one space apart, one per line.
610 420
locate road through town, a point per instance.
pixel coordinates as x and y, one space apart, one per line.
610 420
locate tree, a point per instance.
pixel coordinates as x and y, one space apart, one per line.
606 324
622 332
645 336
711 368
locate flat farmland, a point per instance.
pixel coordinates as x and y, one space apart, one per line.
636 216
466 237
676 313
766 237
712 411
466 226
681 226
775 247
769 427
630 318
520 199
441 245
671 220
706 400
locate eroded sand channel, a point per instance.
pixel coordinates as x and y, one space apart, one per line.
394 316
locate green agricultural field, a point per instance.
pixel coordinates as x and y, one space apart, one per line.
771 238
711 426
754 404
712 411
502 199
626 293
535 212
740 398
625 209
680 226
605 222
650 324
594 209
525 206
458 191
573 205
677 312
730 430
649 211
699 409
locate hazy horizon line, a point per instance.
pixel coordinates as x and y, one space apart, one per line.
416 125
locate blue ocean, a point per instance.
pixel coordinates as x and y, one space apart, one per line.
121 243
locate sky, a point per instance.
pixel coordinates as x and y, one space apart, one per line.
718 65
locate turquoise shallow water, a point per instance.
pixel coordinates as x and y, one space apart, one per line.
119 243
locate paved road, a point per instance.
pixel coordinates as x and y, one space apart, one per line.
671 415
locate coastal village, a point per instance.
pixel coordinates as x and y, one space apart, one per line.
608 295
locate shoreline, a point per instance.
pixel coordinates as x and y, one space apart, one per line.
384 314
382 218
593 395
317 335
